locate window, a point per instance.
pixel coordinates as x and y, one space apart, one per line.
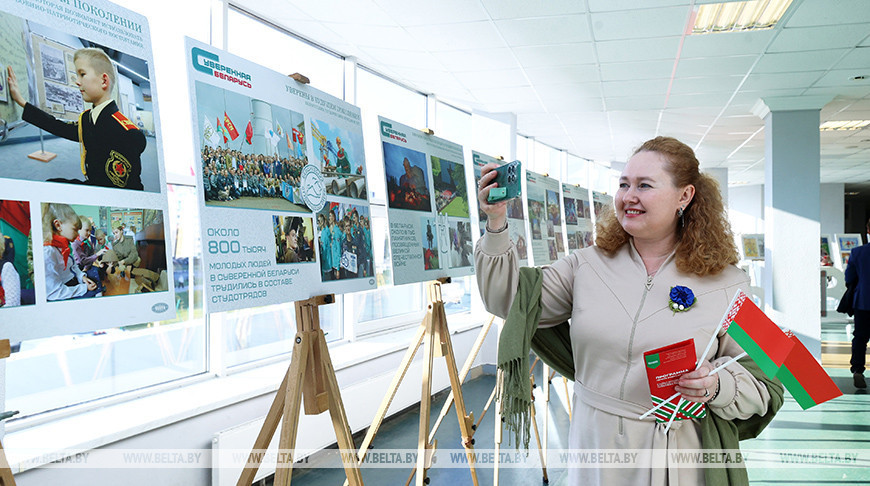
389 305
577 171
260 42
547 161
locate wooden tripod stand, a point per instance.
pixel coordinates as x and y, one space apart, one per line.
435 337
310 379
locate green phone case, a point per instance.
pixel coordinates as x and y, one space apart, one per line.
508 180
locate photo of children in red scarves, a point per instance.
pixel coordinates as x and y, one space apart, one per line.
344 239
16 255
407 178
96 251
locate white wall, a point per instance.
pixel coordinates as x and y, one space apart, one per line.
833 208
746 208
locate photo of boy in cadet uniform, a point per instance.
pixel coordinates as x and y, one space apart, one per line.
111 145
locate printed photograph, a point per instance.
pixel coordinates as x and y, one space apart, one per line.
407 178
99 251
560 245
16 256
344 240
522 248
583 209
461 249
573 240
847 242
248 162
554 212
451 195
570 211
515 208
826 260
429 243
537 221
4 98
341 157
294 239
551 247
45 102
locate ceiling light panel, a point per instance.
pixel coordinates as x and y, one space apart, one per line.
739 16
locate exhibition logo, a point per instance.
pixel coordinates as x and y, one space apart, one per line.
388 131
313 188
209 63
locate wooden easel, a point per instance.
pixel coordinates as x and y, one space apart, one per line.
435 337
310 379
6 478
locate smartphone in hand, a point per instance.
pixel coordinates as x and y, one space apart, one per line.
508 180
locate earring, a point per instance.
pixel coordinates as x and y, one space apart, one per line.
680 213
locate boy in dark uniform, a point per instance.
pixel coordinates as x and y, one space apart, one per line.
111 145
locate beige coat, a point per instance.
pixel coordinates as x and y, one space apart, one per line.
617 314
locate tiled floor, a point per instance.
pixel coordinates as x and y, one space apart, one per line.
841 426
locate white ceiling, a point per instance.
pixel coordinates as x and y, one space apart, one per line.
598 77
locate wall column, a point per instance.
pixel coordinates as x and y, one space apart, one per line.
791 214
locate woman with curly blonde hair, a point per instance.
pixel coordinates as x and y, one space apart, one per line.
661 272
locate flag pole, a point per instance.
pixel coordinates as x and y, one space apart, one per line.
675 395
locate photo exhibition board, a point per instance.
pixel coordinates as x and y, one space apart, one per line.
752 246
846 242
85 225
601 202
515 210
427 205
545 218
578 216
281 182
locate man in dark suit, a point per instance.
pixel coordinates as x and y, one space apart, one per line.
858 273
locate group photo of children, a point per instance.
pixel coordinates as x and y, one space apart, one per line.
407 178
252 152
294 239
345 241
87 110
16 255
341 156
94 251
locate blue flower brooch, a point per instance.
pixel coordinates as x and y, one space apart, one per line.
681 299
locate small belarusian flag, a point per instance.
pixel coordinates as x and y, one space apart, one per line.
762 340
805 379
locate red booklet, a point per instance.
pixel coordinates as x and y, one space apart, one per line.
664 366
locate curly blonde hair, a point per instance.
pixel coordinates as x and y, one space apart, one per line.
705 243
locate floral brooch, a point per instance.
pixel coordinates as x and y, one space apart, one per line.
681 299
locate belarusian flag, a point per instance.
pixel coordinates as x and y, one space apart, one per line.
805 379
762 340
